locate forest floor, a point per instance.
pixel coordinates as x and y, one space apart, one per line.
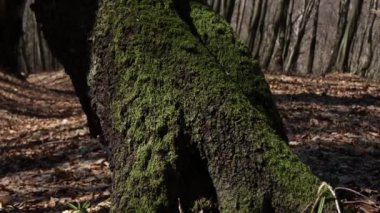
48 159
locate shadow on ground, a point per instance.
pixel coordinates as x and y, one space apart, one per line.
47 158
333 124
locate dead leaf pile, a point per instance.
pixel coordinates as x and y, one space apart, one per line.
47 158
333 124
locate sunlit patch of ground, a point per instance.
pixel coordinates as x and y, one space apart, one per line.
47 157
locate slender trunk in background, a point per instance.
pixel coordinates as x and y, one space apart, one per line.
260 33
366 49
313 41
278 59
349 32
300 29
328 43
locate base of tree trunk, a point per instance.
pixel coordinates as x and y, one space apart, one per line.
189 116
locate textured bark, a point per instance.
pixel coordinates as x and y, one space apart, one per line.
336 36
349 32
189 115
304 17
224 7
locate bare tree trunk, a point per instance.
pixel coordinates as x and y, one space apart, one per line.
34 53
313 41
300 29
366 49
349 32
325 43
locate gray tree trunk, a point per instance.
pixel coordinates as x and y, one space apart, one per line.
333 36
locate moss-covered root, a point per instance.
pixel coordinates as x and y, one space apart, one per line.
190 122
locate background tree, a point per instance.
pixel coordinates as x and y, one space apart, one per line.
22 45
309 36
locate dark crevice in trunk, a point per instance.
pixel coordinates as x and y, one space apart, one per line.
193 178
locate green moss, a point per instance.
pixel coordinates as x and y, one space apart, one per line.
293 182
165 82
202 204
236 60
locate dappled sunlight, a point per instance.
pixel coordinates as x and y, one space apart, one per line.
47 157
333 124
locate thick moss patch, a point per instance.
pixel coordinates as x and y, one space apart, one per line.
175 92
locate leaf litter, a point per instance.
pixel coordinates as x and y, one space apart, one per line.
333 125
48 159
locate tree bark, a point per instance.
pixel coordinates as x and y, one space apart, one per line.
189 116
301 28
313 42
349 32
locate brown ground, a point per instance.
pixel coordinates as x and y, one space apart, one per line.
47 158
333 124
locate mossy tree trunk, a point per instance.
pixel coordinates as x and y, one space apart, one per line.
188 114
